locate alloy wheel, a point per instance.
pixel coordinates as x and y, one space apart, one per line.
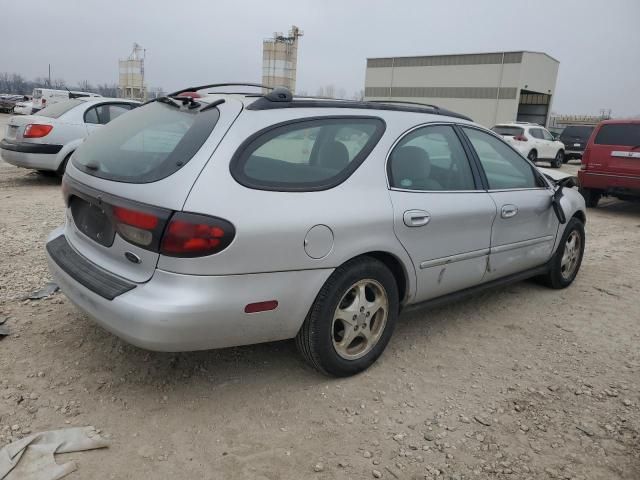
360 319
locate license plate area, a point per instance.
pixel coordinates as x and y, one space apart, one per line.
93 221
12 131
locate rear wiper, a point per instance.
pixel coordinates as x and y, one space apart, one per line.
212 105
169 101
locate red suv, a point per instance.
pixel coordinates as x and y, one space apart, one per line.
611 162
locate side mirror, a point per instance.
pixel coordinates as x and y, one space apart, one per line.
555 203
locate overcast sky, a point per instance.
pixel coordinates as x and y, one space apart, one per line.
205 41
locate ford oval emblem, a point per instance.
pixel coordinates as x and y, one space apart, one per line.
132 257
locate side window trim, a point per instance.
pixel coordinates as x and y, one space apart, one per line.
539 177
238 160
96 105
479 183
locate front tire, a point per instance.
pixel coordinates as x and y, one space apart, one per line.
351 320
559 160
568 257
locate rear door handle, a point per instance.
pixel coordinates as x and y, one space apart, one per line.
416 218
509 211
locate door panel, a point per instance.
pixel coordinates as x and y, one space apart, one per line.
523 239
441 216
450 251
525 227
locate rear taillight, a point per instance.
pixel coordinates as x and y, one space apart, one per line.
135 226
193 235
35 130
520 138
585 158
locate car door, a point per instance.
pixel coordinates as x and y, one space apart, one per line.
525 227
99 115
538 142
442 215
550 144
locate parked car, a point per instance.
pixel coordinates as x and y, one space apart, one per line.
8 102
46 141
45 97
24 107
533 141
611 162
229 219
575 138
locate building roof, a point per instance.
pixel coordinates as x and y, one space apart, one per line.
510 52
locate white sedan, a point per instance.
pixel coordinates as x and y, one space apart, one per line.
45 141
23 108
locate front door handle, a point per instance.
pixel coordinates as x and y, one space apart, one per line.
416 218
509 211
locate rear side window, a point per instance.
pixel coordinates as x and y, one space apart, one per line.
430 159
621 134
58 109
103 114
306 155
507 131
147 144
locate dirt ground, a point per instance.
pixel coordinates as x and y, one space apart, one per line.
519 383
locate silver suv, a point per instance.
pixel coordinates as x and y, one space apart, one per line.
207 220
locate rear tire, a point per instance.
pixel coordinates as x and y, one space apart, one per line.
351 320
566 262
533 156
559 160
591 197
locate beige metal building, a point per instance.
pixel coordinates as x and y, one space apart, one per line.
489 87
280 59
131 75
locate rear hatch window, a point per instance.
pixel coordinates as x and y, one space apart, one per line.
58 109
620 134
508 131
147 144
581 133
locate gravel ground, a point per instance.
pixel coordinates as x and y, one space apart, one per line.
519 383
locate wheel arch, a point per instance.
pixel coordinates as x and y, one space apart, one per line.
580 215
397 268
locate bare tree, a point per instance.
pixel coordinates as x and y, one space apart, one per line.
330 91
320 92
342 93
359 95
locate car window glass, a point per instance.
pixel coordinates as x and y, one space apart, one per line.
619 134
430 158
116 110
91 116
312 154
535 133
504 168
58 109
547 135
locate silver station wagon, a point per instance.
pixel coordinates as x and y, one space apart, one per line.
205 220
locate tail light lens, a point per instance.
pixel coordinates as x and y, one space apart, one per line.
35 130
192 235
585 158
135 226
520 138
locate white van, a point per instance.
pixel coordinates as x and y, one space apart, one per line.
43 97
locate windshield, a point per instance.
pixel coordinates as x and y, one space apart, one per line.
58 109
508 131
146 144
37 93
582 132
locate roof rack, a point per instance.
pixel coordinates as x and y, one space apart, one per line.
214 85
286 100
404 102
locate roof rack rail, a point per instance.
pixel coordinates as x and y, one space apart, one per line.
401 102
214 85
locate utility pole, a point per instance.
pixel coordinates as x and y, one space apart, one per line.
49 76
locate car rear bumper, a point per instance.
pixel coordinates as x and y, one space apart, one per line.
607 181
30 155
174 312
